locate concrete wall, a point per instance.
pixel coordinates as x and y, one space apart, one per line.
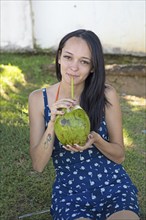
29 24
16 25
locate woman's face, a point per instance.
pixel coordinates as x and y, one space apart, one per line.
75 61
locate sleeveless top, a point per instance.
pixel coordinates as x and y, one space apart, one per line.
90 170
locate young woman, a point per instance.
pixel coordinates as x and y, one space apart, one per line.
90 180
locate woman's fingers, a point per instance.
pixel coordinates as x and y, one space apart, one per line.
76 147
70 148
57 107
54 113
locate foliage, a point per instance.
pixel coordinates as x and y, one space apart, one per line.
22 189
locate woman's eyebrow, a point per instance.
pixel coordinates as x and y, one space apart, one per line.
82 57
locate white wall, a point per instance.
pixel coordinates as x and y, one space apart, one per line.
119 24
16 25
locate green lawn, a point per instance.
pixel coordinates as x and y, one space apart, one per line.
23 190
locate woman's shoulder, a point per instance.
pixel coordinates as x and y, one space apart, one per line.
35 100
35 94
110 92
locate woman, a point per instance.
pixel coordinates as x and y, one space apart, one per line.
90 180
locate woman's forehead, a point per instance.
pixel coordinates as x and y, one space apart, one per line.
77 45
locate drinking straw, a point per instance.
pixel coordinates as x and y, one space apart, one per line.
72 87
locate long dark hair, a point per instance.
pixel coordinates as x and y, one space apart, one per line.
93 98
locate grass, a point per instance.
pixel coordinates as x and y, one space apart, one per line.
24 190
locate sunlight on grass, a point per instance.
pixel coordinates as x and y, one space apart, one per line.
133 120
11 77
128 141
46 85
25 109
135 102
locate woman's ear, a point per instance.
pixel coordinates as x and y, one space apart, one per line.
92 70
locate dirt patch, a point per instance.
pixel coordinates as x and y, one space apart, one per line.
127 79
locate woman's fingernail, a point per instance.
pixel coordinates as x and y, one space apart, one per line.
90 136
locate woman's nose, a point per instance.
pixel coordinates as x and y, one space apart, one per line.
74 66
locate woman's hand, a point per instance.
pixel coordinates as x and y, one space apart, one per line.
92 138
56 108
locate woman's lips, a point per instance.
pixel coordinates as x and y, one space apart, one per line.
71 75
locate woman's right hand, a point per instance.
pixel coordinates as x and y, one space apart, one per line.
56 108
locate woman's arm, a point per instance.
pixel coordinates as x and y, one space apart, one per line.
41 140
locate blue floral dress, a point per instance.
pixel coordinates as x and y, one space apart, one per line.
87 183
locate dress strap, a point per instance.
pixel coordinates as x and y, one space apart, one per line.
45 97
46 107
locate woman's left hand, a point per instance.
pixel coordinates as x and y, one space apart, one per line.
92 138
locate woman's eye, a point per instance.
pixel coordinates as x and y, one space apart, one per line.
85 62
67 57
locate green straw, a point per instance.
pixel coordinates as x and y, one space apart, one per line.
72 87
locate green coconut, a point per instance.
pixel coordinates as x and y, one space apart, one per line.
73 127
